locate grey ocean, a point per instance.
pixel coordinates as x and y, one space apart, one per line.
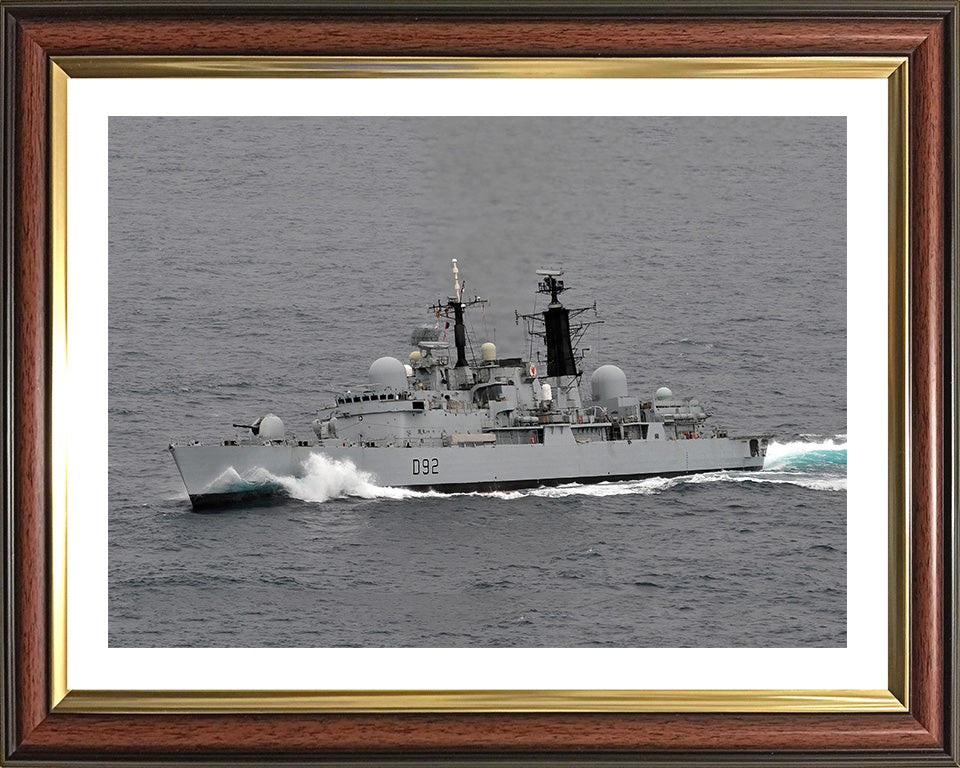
260 264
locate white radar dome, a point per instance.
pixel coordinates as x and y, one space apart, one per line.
271 428
664 393
388 373
608 382
415 355
488 351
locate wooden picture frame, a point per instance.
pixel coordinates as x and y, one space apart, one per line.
35 34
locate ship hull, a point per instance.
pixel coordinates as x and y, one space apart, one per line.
215 475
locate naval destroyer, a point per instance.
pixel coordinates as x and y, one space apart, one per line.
443 422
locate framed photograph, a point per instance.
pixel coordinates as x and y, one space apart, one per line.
449 383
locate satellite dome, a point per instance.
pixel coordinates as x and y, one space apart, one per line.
664 393
270 427
488 351
608 382
388 373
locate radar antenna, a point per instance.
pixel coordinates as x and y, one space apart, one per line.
550 284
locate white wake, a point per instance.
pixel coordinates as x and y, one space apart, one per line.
815 465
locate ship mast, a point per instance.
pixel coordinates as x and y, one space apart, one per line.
553 326
556 321
459 329
458 305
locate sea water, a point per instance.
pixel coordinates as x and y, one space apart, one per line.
260 265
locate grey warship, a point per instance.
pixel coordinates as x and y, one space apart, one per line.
444 423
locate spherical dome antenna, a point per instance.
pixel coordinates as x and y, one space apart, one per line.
388 373
607 382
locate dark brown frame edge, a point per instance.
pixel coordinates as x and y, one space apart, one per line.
926 32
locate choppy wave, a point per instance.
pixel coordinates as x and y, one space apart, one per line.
809 456
327 479
811 482
324 479
817 465
646 486
231 481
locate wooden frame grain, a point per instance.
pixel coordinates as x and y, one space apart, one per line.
925 32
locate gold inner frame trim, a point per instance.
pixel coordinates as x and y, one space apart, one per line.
132 702
58 370
428 66
898 385
893 69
